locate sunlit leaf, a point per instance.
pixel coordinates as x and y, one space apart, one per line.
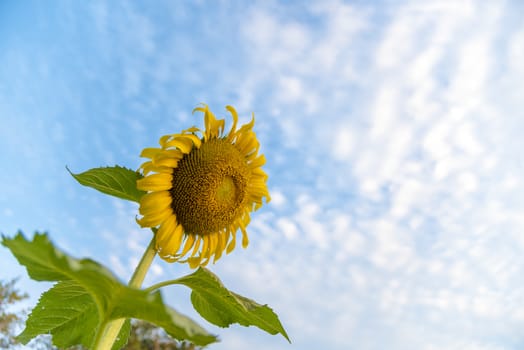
218 305
69 313
115 181
87 296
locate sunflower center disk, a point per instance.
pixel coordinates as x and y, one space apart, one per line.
209 187
227 191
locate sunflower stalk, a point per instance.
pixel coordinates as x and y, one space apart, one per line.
108 333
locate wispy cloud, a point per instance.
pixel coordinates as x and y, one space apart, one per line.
429 236
393 138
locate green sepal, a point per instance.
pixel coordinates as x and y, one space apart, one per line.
115 181
87 296
220 306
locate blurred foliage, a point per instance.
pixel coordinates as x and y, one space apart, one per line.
144 335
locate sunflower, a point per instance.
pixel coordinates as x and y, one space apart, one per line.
202 189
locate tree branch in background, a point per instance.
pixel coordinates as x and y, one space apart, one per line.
9 295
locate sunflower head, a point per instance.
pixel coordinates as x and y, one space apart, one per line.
201 187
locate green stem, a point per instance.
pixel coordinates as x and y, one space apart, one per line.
108 333
160 285
144 264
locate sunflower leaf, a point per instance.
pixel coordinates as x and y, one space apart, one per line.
68 312
115 181
220 306
87 296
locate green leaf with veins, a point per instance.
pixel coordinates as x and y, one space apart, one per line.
115 181
220 306
87 296
68 312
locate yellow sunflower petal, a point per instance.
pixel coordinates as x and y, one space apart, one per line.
164 139
190 240
191 137
150 152
258 192
245 238
146 167
213 127
165 162
149 166
204 262
196 246
155 182
234 114
170 153
205 246
246 127
175 240
154 220
216 127
164 233
257 162
154 201
192 129
182 143
232 243
194 262
220 246
259 173
247 143
213 239
200 109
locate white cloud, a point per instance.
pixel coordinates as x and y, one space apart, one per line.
278 199
343 143
516 52
428 190
397 195
287 228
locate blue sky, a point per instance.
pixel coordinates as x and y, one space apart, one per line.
392 132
